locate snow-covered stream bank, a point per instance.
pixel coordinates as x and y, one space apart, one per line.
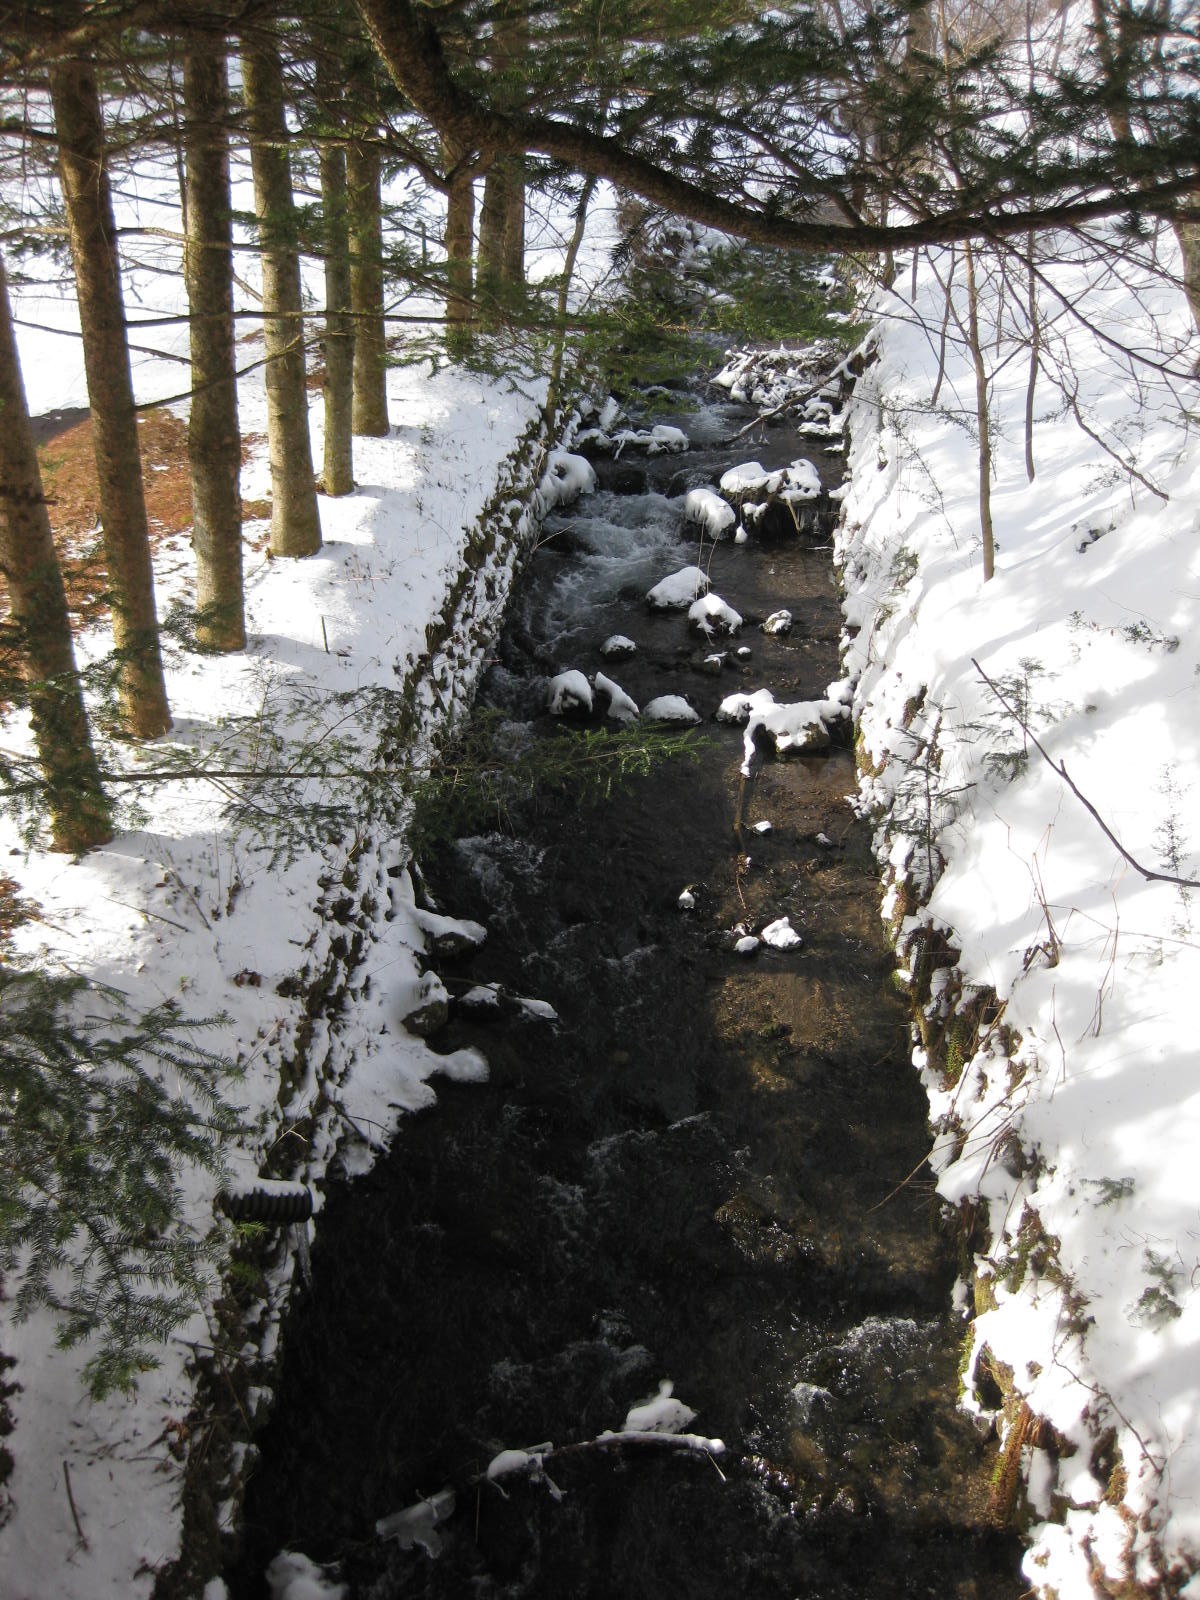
1054 979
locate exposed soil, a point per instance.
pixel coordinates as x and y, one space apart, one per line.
68 468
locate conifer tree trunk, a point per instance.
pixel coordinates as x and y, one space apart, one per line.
214 439
295 522
337 475
493 224
79 814
459 242
80 129
366 291
514 226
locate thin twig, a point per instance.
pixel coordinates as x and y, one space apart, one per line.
74 1508
1060 768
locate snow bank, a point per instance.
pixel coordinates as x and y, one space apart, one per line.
1054 982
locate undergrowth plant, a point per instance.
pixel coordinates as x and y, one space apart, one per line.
101 1110
485 775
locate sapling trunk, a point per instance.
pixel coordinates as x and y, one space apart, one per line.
983 416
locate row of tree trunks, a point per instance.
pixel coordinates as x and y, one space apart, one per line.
214 438
355 392
295 522
79 813
85 185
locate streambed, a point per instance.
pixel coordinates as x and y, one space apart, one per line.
707 1172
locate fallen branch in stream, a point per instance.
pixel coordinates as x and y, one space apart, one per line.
1060 767
656 1423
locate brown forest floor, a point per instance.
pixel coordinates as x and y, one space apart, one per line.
69 479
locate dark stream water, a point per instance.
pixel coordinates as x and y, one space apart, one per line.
698 1175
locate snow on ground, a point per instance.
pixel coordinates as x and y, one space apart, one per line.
187 907
1071 1108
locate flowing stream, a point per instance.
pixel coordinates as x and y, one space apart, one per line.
708 1172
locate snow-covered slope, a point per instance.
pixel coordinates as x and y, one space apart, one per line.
1054 977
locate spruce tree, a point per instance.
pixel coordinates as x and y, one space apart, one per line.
81 159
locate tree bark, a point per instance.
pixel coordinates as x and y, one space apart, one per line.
502 229
493 225
459 241
214 439
514 226
80 127
337 475
295 522
79 813
366 291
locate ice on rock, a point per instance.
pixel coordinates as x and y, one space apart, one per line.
748 478
417 1524
762 827
746 945
463 1066
541 1009
715 516
678 589
508 1462
780 935
616 647
669 708
778 622
803 481
752 482
291 1576
662 1414
686 901
711 614
567 476
448 936
620 706
483 997
793 729
570 691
